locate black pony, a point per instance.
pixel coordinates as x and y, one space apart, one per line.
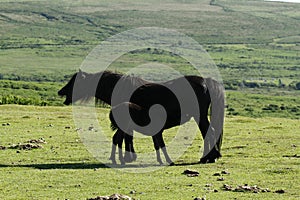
182 99
139 118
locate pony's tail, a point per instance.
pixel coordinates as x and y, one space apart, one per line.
113 124
217 96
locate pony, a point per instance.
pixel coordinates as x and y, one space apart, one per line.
140 117
140 96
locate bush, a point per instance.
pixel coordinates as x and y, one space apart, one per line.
271 107
295 85
12 99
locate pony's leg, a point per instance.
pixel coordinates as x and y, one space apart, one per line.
211 152
219 143
115 141
130 154
120 152
163 148
156 146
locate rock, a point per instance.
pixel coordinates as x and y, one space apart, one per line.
198 198
38 141
266 190
217 174
227 187
191 173
2 147
225 172
281 191
220 179
112 197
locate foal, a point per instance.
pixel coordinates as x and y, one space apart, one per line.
117 140
139 120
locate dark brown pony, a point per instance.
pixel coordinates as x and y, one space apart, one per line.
179 103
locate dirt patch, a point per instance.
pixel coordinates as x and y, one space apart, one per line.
29 145
245 188
26 146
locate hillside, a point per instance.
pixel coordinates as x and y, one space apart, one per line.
255 44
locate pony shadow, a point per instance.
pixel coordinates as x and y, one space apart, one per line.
187 164
52 166
59 166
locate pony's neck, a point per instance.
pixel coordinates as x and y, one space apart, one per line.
106 86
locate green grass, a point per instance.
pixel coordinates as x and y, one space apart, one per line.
248 41
255 152
255 103
51 39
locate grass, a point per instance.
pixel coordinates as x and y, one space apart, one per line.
52 40
64 169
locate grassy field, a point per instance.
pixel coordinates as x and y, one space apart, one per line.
262 152
45 41
255 45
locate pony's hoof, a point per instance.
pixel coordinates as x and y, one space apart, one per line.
130 157
171 164
113 161
134 156
207 160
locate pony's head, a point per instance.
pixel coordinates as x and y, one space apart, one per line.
77 88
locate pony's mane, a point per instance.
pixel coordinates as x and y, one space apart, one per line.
134 80
128 82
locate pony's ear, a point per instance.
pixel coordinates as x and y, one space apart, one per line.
82 75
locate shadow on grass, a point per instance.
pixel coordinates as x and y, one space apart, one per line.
77 166
49 166
59 166
187 164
